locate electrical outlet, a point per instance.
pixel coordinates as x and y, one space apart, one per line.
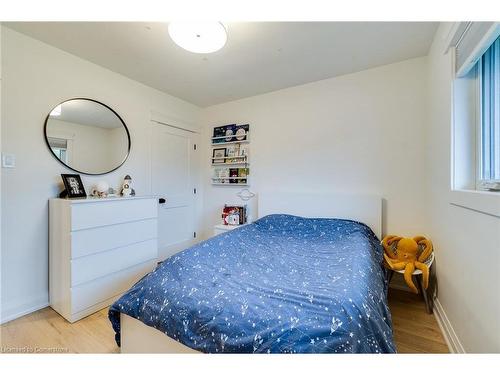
8 161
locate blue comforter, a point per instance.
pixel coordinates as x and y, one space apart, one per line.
283 284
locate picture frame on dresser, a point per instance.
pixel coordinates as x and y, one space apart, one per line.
73 186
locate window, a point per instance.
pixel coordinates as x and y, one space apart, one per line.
489 123
475 136
60 148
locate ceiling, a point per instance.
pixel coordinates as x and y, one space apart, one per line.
86 112
259 57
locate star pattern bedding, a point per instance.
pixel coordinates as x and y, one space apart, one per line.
283 284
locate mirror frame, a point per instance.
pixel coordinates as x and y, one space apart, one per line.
76 170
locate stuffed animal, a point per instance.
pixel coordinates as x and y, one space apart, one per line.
402 253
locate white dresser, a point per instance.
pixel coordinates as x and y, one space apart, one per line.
98 248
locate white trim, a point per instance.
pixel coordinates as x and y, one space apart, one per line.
174 122
452 118
137 337
485 42
449 333
455 35
478 111
485 202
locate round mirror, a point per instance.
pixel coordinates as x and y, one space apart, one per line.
87 136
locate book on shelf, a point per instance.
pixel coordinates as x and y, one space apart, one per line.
228 175
233 172
234 214
241 132
242 172
230 133
232 151
221 175
243 151
224 133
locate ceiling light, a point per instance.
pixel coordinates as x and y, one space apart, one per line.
56 111
198 37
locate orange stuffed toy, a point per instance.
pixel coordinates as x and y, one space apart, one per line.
408 254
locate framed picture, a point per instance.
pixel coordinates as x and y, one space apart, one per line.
219 155
74 186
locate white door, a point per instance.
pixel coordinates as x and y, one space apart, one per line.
174 171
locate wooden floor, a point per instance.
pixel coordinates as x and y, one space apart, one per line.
415 331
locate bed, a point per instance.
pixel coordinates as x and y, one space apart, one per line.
306 277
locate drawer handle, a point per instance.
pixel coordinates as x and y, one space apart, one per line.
162 201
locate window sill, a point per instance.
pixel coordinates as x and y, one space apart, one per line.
486 202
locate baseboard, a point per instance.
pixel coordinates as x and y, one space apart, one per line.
451 338
449 333
13 313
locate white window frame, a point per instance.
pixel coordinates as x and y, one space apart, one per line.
475 198
480 182
479 126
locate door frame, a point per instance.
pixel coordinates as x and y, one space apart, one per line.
182 125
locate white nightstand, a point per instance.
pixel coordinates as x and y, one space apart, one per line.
221 228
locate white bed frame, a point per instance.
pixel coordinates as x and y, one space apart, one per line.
136 337
364 208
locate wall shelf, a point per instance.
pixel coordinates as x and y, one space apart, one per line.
231 157
229 143
236 160
229 178
244 163
228 184
234 156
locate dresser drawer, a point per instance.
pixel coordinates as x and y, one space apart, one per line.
94 292
95 240
98 214
91 267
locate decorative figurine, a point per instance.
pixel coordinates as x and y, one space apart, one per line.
101 190
111 192
127 190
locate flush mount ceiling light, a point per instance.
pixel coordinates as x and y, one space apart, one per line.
56 111
198 37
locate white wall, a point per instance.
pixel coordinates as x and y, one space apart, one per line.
36 77
361 132
467 242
